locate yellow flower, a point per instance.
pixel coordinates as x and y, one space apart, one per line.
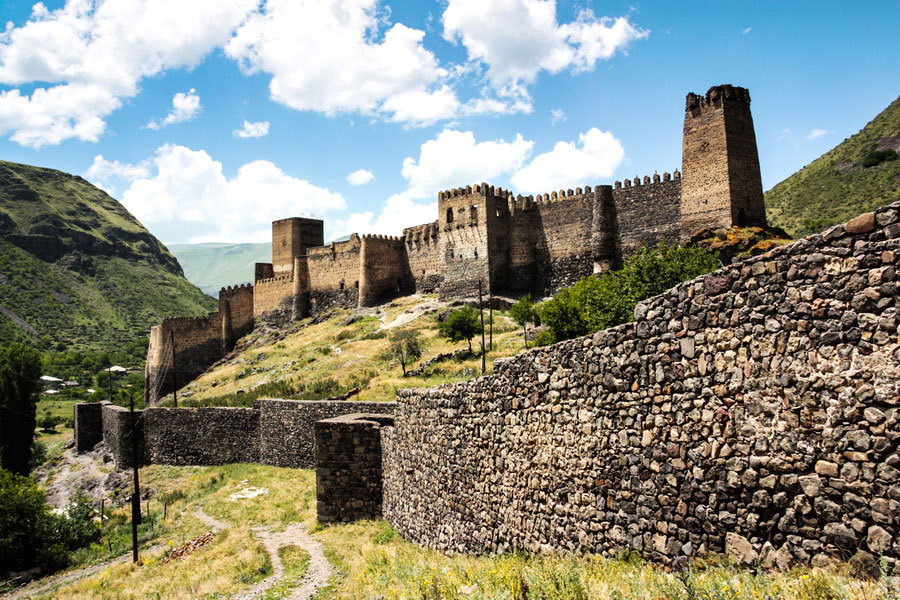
804 577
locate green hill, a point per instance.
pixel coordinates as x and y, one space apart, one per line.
77 268
858 175
213 266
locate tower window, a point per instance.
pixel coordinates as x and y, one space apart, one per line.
449 215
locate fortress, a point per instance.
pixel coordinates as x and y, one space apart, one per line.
509 243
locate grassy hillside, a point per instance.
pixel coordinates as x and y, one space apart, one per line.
371 560
858 175
213 266
321 360
76 268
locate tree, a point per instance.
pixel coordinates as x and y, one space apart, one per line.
20 373
523 312
24 519
49 422
405 347
595 303
461 324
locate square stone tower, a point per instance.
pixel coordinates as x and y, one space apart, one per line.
721 184
292 237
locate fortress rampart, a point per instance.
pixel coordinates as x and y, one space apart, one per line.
508 243
274 432
760 402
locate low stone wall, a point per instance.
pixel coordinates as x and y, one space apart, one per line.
348 467
117 434
760 402
203 436
274 432
287 436
88 425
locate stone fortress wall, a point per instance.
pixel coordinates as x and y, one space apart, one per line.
508 243
756 407
274 432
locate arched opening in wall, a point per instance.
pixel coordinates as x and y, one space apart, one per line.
342 285
449 215
473 213
742 218
498 213
356 284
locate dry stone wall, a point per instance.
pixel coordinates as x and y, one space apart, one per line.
756 406
273 432
203 436
348 467
287 437
647 212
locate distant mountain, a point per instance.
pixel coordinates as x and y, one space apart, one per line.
858 175
213 266
77 268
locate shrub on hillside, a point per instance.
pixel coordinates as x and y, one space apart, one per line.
595 303
462 324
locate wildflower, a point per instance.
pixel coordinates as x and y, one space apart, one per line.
804 577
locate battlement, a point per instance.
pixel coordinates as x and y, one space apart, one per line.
185 323
235 290
384 238
715 96
647 180
274 279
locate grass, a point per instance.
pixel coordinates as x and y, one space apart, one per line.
838 186
88 301
317 361
372 560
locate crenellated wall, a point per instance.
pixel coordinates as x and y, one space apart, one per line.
647 211
424 256
273 298
756 405
384 270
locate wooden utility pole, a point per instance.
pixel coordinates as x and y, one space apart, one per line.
136 493
491 318
481 310
174 380
109 382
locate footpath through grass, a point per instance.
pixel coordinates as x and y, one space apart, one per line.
372 561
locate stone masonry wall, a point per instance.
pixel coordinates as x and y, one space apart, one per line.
201 436
348 467
117 434
198 343
88 425
758 403
424 256
384 270
286 427
647 212
272 298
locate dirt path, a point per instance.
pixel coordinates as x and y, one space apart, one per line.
47 584
317 574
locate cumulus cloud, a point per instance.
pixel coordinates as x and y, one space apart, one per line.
185 106
252 130
597 155
451 159
455 158
94 54
360 177
183 196
532 40
557 116
816 133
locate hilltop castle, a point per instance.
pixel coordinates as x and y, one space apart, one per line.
512 244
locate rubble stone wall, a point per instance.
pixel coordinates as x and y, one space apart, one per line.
117 434
201 436
758 405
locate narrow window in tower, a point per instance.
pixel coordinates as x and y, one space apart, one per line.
449 215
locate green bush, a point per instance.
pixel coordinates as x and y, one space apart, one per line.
595 303
545 338
876 157
462 324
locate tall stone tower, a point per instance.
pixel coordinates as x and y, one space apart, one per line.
291 238
721 184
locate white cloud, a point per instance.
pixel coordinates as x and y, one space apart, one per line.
93 54
454 158
398 212
354 68
252 130
746 30
103 173
451 159
360 177
183 196
567 165
185 106
532 40
816 133
557 116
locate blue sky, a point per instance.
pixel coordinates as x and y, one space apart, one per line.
147 99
